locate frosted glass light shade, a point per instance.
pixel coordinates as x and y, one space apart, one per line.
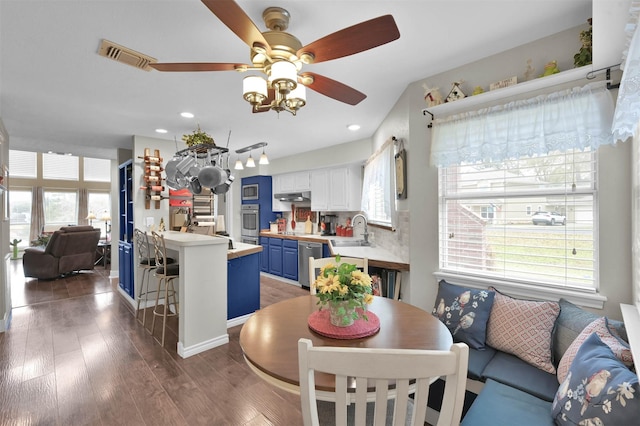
284 71
250 162
238 165
254 85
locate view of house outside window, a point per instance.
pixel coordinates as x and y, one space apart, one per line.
20 216
527 220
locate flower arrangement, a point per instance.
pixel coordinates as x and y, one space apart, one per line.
346 286
197 137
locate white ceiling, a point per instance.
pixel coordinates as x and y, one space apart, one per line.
57 93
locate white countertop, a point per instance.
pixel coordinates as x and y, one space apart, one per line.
190 239
375 253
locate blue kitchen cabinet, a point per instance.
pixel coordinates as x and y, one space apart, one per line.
125 256
290 259
265 198
243 285
326 252
275 256
264 254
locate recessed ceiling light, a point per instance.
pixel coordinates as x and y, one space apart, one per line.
161 131
186 114
353 127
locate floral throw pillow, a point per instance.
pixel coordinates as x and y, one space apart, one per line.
598 389
523 328
465 312
607 335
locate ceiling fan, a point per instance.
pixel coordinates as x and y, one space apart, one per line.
281 56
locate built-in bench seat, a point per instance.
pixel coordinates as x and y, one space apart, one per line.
503 389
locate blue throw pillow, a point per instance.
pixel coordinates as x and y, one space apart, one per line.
465 312
599 389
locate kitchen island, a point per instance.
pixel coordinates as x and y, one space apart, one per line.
202 291
243 282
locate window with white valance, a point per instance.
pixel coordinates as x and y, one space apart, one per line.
578 118
500 166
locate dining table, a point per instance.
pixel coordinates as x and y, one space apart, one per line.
269 339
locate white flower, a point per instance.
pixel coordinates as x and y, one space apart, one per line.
626 390
474 304
569 394
567 405
606 406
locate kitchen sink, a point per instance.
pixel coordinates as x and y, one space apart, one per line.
350 243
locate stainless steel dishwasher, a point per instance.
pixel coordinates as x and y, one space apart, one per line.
305 251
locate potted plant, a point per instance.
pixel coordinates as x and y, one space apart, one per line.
14 245
198 137
344 288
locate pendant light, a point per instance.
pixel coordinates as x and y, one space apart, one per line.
263 158
238 165
250 162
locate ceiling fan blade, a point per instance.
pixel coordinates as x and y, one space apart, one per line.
195 66
355 39
232 15
333 89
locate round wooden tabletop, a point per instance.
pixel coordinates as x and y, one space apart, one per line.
269 339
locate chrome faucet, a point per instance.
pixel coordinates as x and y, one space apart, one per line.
365 232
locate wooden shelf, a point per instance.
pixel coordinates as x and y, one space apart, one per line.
469 102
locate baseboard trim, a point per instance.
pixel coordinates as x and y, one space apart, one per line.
238 320
186 352
5 323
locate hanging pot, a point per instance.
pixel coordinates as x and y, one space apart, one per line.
210 175
194 185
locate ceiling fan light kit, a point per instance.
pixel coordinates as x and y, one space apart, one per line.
280 57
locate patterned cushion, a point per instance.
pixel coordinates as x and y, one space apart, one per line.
465 312
606 334
571 321
523 328
598 390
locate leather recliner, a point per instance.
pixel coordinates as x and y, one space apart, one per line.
71 248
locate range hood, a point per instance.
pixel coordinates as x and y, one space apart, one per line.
293 196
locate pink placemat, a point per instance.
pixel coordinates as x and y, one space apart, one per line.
320 323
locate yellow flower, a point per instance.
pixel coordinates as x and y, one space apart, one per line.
360 278
368 299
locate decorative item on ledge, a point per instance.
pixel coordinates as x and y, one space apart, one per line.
198 137
584 55
343 288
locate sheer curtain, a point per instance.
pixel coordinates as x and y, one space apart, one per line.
378 186
627 114
574 118
83 206
37 213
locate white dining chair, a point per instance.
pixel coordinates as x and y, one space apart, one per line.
316 264
379 368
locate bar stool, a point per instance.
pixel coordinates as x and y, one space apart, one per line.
166 273
147 263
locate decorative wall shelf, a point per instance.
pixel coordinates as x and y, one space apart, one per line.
449 108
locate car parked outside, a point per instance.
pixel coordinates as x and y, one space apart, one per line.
548 218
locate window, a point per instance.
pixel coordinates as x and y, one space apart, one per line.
100 205
60 208
62 167
487 228
20 216
96 170
378 187
24 164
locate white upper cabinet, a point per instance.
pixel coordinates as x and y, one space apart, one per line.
336 189
292 182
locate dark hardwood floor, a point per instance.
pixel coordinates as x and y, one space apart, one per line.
75 355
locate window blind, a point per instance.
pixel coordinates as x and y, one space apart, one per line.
62 167
96 169
23 164
378 186
489 227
